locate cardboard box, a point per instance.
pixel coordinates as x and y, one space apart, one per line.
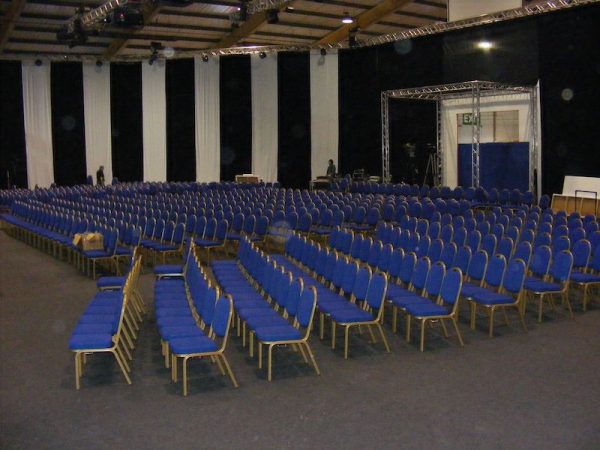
89 241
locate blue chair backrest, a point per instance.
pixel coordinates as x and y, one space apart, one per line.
505 247
396 261
419 275
473 240
365 248
221 316
435 278
385 257
560 270
478 265
523 251
514 276
422 248
559 244
221 232
448 253
462 259
435 250
495 270
447 233
407 268
374 253
434 230
361 283
293 296
451 286
377 290
349 276
488 244
582 250
208 305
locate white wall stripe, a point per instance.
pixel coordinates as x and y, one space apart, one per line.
38 124
208 124
324 119
96 104
264 116
154 108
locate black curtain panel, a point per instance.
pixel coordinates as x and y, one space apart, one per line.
569 59
512 59
126 121
293 157
181 130
236 116
68 126
364 74
13 158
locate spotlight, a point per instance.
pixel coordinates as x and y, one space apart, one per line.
38 62
347 18
272 16
243 11
323 51
155 47
262 55
98 63
352 41
205 57
485 45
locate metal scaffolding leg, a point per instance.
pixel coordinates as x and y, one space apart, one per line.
385 148
476 130
439 180
533 145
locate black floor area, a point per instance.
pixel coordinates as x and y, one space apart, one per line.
517 390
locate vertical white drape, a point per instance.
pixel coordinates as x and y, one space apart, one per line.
323 111
96 104
264 116
208 125
154 110
38 124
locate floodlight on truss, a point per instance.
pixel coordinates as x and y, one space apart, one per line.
101 12
262 5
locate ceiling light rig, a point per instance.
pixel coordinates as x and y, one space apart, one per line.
347 18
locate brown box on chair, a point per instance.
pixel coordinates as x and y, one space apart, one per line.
92 241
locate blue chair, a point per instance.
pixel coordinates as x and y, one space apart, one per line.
558 284
505 247
523 251
488 244
588 279
446 309
510 294
289 335
369 313
448 254
473 240
462 259
219 241
205 346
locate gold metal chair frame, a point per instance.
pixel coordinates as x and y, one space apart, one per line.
217 356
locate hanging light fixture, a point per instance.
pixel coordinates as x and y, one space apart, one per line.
347 18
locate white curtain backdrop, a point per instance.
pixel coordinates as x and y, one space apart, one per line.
450 110
323 111
154 110
96 104
38 123
264 116
208 129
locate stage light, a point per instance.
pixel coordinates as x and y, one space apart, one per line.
323 52
98 63
38 62
347 18
262 55
485 45
205 58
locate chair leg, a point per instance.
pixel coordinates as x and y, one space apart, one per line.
568 302
473 314
383 338
333 334
458 335
394 319
444 329
422 344
184 376
521 314
540 308
492 310
259 355
408 321
229 371
77 370
251 344
505 316
122 364
373 340
312 358
173 368
321 325
269 362
346 339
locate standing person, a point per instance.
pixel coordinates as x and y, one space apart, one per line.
331 169
100 176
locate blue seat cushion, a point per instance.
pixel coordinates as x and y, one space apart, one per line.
329 305
179 331
350 314
427 309
122 251
165 247
395 290
189 345
168 269
469 290
267 320
173 312
96 254
580 277
110 282
247 312
90 341
493 298
174 321
541 286
403 302
277 333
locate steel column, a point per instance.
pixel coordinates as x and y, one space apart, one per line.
385 132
